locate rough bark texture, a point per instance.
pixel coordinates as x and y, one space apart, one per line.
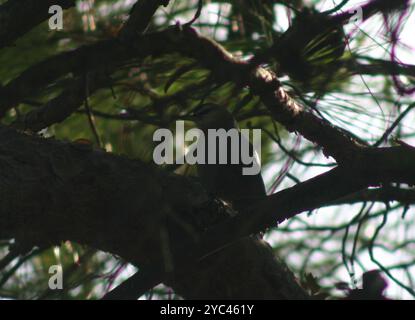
54 191
247 269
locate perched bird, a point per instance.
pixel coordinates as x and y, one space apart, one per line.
226 181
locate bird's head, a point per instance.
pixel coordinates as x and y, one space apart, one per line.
212 116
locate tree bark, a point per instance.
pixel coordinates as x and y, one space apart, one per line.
54 191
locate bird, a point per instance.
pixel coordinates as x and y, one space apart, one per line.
226 181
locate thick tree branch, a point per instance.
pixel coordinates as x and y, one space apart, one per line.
62 106
18 17
385 195
224 67
314 193
53 191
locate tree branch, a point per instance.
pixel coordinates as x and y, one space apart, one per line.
18 17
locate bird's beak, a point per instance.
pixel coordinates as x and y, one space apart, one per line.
191 115
188 117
